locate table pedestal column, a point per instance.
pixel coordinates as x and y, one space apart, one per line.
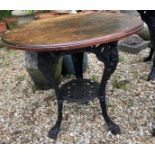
78 64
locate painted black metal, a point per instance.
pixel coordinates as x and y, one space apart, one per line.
148 16
77 59
45 59
153 132
80 90
108 54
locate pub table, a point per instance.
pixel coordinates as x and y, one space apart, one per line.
97 33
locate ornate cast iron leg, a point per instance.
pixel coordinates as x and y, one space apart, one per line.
44 66
55 130
78 64
109 56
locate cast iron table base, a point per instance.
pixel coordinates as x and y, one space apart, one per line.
71 91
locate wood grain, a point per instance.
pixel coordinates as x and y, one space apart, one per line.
72 31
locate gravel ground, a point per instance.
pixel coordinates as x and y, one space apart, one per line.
27 115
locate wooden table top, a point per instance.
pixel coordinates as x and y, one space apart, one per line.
72 31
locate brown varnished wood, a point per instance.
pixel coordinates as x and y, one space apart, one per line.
72 31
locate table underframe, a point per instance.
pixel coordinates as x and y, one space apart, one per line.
106 53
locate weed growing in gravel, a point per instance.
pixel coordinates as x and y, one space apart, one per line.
19 77
128 102
35 104
121 59
33 88
135 74
12 52
70 76
94 77
120 84
7 63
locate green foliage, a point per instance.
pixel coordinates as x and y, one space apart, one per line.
120 84
35 104
29 11
33 87
11 25
7 63
19 77
94 77
5 13
122 59
70 76
12 52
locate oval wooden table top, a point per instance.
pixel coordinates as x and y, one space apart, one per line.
72 31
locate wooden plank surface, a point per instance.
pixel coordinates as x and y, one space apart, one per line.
72 31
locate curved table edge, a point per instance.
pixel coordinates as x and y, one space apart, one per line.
76 44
